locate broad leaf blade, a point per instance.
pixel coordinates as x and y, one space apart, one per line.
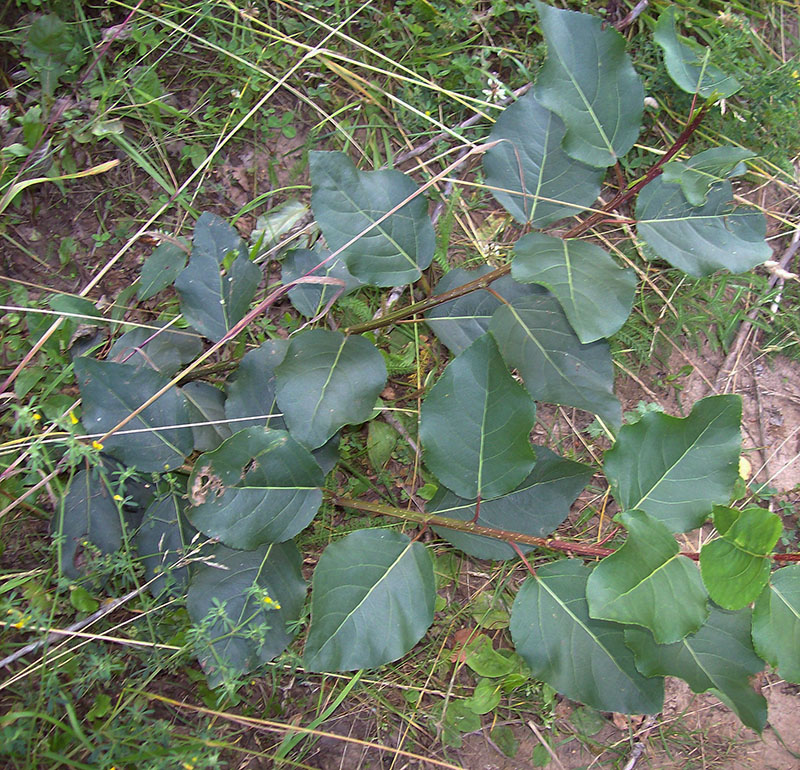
536 507
165 350
688 63
701 239
206 406
736 566
326 381
584 659
677 469
596 295
215 295
260 592
535 338
528 172
346 202
700 172
475 425
459 322
260 486
776 623
112 391
646 582
161 269
718 658
588 80
311 299
372 600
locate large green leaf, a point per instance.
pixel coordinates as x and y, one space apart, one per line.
260 486
346 202
165 350
535 338
161 269
311 299
372 600
582 658
776 623
701 171
251 392
242 602
220 280
528 172
677 469
588 80
206 406
459 322
162 541
536 507
326 381
688 62
112 391
53 50
736 566
701 239
719 658
596 295
475 425
640 583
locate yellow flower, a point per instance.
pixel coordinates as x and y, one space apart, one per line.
72 418
37 416
118 498
97 445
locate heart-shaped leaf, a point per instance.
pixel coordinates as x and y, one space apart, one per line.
718 658
536 507
112 391
348 202
260 486
475 425
311 299
596 295
639 583
326 381
371 601
736 566
220 280
459 322
588 80
241 602
776 623
528 172
535 338
688 62
700 172
582 658
677 469
701 239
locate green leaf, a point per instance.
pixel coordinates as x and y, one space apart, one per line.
677 469
216 295
161 269
536 507
311 299
475 425
535 338
381 441
485 661
161 541
485 698
596 295
76 306
53 49
528 172
776 623
719 658
646 582
700 172
459 322
372 600
503 736
227 599
82 600
165 350
206 404
588 80
260 486
736 566
458 719
688 62
701 239
326 381
582 658
112 391
346 202
251 393
276 223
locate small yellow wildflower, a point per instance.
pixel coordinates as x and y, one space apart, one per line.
795 74
97 445
72 418
119 498
37 416
270 602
